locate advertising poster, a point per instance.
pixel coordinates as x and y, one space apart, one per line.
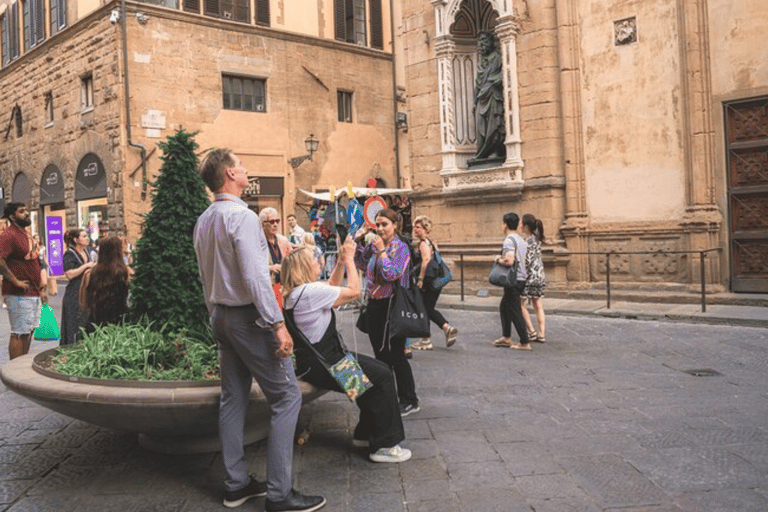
55 240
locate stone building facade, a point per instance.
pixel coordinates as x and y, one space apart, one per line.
258 77
630 127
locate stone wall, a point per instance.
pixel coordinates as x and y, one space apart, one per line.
176 65
56 66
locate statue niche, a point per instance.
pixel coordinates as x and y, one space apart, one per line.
489 105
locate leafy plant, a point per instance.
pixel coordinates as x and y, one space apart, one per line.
166 286
140 352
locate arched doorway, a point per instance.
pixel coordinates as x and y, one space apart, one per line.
91 196
21 192
53 216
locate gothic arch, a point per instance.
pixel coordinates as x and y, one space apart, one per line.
446 11
457 25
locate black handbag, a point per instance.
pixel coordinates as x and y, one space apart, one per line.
504 276
407 316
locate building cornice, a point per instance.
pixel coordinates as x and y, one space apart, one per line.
268 32
133 7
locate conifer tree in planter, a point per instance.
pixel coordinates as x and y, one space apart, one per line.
166 287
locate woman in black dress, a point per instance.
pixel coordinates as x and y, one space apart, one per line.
76 262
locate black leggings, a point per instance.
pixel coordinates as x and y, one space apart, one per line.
511 312
391 352
430 302
380 421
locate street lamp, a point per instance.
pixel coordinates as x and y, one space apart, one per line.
310 143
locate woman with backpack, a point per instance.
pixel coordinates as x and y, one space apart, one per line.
429 282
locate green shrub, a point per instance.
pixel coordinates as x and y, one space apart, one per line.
166 286
140 352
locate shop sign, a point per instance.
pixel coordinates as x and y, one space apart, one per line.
54 236
51 186
264 186
90 179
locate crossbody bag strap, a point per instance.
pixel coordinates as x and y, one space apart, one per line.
290 320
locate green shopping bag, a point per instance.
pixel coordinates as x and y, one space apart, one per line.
48 330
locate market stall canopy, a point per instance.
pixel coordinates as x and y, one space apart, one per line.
359 192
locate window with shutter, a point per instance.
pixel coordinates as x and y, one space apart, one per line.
58 10
26 7
358 22
212 8
377 31
340 19
34 22
262 13
192 6
13 32
62 13
4 28
39 20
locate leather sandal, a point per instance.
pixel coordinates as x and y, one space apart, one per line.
502 342
533 336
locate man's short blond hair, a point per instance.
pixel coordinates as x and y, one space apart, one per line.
214 166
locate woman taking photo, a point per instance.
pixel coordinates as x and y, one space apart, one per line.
104 290
76 262
386 263
535 284
422 225
309 310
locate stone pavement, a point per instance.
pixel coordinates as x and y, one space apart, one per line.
604 417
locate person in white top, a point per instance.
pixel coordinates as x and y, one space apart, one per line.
310 318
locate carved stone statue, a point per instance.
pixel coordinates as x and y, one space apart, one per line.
489 103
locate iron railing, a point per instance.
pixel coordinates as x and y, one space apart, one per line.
702 269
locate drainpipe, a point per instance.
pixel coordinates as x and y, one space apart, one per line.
142 148
394 92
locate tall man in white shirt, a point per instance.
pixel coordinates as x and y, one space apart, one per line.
253 341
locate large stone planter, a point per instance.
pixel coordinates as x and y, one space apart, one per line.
170 417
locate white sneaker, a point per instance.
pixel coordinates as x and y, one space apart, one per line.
394 454
423 344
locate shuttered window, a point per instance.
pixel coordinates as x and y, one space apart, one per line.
14 49
349 21
34 23
377 30
192 6
262 13
58 15
4 28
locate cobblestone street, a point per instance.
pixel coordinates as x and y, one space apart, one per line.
604 417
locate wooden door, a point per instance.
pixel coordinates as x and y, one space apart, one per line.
747 160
